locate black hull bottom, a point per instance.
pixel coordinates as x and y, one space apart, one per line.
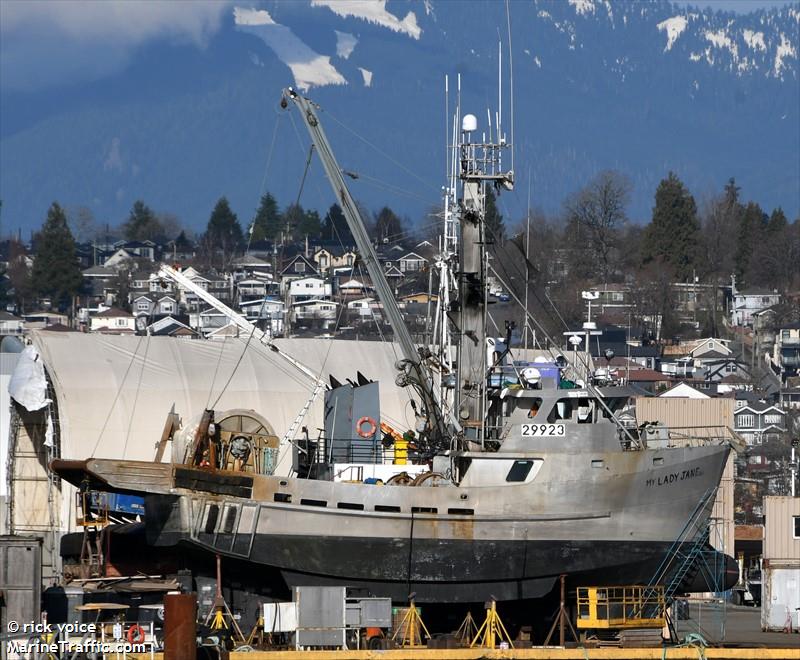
460 571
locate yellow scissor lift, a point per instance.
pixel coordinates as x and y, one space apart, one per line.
622 615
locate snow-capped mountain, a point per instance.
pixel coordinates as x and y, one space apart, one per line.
642 87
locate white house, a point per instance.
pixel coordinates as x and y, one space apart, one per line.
309 288
10 324
749 301
365 307
113 321
270 312
315 309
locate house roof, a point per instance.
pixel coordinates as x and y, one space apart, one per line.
58 327
250 260
712 355
288 268
113 312
684 389
757 291
100 271
313 301
757 407
646 375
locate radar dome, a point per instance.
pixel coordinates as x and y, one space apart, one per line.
469 123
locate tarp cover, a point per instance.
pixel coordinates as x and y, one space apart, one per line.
114 392
28 385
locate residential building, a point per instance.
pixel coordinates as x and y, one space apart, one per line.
169 326
365 308
612 297
112 321
746 303
10 324
790 398
298 267
411 262
154 305
315 310
758 422
267 313
330 257
786 353
308 288
684 391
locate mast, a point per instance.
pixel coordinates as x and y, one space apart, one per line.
480 165
431 421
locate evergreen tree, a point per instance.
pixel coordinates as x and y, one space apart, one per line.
388 227
777 222
295 223
223 234
492 218
142 224
752 223
673 235
334 226
56 272
309 225
267 221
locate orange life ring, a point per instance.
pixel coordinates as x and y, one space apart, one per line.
136 634
372 427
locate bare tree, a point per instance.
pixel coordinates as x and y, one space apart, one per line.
597 211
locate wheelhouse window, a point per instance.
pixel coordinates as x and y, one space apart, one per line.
519 471
796 523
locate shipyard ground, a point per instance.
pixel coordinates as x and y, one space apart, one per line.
742 627
744 640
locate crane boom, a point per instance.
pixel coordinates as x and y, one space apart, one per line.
418 374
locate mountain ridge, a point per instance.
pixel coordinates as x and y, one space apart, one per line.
182 126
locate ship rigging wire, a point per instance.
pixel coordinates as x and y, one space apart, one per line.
136 394
116 396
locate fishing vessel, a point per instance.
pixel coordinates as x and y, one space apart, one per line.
514 474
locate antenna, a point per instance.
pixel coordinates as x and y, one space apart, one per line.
499 89
511 79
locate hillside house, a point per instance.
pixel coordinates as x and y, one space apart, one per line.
10 324
747 302
308 288
329 258
154 305
786 352
112 321
298 267
99 285
315 310
411 262
169 326
759 422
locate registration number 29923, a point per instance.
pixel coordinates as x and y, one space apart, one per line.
542 430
